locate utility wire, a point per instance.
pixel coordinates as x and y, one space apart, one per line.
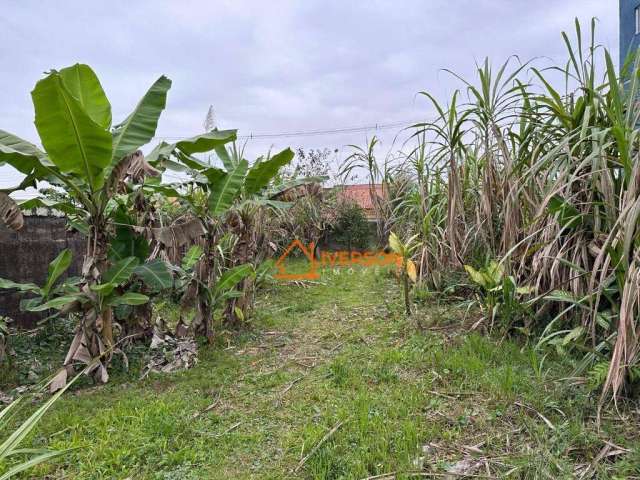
313 133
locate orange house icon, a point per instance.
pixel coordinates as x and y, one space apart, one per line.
311 274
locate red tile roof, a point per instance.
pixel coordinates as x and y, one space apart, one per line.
361 194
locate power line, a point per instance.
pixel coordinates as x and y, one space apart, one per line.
313 133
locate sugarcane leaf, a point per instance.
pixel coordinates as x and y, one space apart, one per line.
10 444
574 334
32 462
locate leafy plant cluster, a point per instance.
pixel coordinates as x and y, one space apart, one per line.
535 192
208 252
351 228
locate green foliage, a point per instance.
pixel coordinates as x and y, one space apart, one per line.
379 377
155 274
351 227
192 257
56 269
226 187
73 141
9 448
262 172
405 250
140 126
500 297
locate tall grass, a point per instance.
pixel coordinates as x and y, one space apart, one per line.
547 181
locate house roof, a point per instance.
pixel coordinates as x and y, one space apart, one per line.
360 194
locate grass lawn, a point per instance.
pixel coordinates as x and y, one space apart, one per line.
332 382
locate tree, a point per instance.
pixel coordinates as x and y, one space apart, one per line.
221 202
351 226
311 163
96 164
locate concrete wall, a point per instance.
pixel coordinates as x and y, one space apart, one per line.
25 256
628 38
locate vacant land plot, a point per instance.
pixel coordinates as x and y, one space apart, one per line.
334 382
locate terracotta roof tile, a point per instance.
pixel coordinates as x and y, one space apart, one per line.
361 195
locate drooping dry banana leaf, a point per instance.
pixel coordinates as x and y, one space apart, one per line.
299 191
10 213
177 235
139 168
134 167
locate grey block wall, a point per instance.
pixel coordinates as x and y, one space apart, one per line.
25 256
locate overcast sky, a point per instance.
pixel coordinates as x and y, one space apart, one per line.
278 66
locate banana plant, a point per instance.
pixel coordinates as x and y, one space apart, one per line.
41 295
95 162
247 219
212 199
225 286
66 296
500 295
214 296
405 250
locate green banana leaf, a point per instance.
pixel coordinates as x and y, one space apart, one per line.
74 142
57 267
140 126
155 274
84 85
20 154
206 142
121 271
262 173
232 277
129 298
227 188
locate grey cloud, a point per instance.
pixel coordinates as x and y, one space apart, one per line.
278 66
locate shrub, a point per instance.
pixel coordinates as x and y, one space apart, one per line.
351 227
